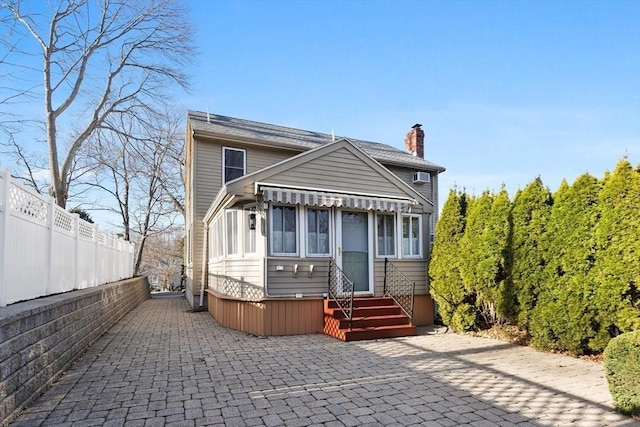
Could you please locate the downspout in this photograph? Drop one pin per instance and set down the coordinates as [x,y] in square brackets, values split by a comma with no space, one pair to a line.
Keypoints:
[205,266]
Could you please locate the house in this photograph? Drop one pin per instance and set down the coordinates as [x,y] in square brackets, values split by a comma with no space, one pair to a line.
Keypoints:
[286,228]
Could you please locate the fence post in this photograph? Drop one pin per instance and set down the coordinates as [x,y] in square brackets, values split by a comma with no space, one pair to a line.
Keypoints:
[95,280]
[76,260]
[4,218]
[50,223]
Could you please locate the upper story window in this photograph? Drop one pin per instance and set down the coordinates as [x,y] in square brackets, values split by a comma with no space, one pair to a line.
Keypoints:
[234,163]
[386,233]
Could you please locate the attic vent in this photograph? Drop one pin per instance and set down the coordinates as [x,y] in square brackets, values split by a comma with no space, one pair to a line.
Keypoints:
[421,177]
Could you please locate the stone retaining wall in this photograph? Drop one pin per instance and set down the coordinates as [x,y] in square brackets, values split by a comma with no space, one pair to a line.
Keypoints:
[40,339]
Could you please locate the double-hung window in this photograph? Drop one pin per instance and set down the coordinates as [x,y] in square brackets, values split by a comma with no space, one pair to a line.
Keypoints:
[234,163]
[411,235]
[317,231]
[386,234]
[284,239]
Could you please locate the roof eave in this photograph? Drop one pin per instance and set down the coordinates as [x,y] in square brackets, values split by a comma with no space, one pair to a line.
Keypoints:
[247,140]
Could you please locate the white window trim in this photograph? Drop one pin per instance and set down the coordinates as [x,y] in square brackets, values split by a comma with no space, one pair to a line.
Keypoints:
[395,235]
[239,240]
[298,245]
[420,232]
[245,229]
[306,230]
[211,234]
[244,161]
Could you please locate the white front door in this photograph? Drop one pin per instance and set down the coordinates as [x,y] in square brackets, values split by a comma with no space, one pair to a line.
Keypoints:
[353,251]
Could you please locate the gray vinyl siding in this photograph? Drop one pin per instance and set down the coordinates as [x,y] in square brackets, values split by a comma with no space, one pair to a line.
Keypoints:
[207,181]
[260,158]
[283,284]
[209,167]
[415,270]
[206,169]
[406,175]
[339,171]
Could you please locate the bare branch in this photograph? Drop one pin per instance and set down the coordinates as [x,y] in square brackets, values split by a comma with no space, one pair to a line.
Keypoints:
[101,58]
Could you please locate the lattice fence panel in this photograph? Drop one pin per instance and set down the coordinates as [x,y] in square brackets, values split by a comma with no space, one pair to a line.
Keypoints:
[27,204]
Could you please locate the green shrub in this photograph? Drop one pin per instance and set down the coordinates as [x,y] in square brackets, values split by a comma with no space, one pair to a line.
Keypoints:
[446,285]
[622,367]
[616,299]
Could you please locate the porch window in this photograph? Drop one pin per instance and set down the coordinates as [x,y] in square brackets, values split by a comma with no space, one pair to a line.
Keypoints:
[232,232]
[317,231]
[411,235]
[250,226]
[284,240]
[386,233]
[216,238]
[234,162]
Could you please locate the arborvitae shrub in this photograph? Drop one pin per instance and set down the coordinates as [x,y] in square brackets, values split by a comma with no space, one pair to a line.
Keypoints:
[473,251]
[445,281]
[563,317]
[493,267]
[616,300]
[530,213]
[622,368]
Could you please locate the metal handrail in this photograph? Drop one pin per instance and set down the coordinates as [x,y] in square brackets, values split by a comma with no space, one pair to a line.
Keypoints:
[341,290]
[398,287]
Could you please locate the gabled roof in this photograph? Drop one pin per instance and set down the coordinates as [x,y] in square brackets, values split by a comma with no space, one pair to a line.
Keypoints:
[237,188]
[213,125]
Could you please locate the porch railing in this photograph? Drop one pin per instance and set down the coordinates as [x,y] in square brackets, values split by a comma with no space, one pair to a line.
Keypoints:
[341,290]
[399,288]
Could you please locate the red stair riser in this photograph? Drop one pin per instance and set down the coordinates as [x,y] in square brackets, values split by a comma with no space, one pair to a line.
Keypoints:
[376,311]
[362,302]
[369,322]
[372,334]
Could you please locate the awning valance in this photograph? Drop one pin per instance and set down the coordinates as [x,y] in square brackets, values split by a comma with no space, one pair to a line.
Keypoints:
[330,199]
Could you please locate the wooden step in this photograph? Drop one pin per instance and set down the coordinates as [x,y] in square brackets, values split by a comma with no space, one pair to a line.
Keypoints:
[388,310]
[373,318]
[362,302]
[373,321]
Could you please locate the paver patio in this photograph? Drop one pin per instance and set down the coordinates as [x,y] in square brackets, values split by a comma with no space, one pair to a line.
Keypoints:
[164,365]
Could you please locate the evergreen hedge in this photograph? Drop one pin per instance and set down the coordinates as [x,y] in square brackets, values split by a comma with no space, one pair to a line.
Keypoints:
[446,282]
[565,267]
[564,316]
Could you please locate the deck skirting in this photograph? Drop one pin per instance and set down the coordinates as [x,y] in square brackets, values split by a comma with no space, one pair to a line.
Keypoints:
[283,316]
[287,316]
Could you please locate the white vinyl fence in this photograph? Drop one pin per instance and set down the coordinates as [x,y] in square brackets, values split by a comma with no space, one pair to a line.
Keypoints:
[46,250]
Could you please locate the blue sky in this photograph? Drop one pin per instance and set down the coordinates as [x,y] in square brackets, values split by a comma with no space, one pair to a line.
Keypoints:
[505,90]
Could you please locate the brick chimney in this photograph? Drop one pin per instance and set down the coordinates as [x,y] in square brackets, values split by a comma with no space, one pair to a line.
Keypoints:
[414,141]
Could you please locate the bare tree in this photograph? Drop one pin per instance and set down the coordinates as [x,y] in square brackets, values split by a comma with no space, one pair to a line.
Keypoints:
[162,260]
[137,165]
[100,58]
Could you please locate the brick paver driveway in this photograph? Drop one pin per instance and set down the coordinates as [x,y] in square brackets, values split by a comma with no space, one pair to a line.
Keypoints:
[163,365]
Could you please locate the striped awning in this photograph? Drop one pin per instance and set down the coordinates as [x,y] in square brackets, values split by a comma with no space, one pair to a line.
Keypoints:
[329,199]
